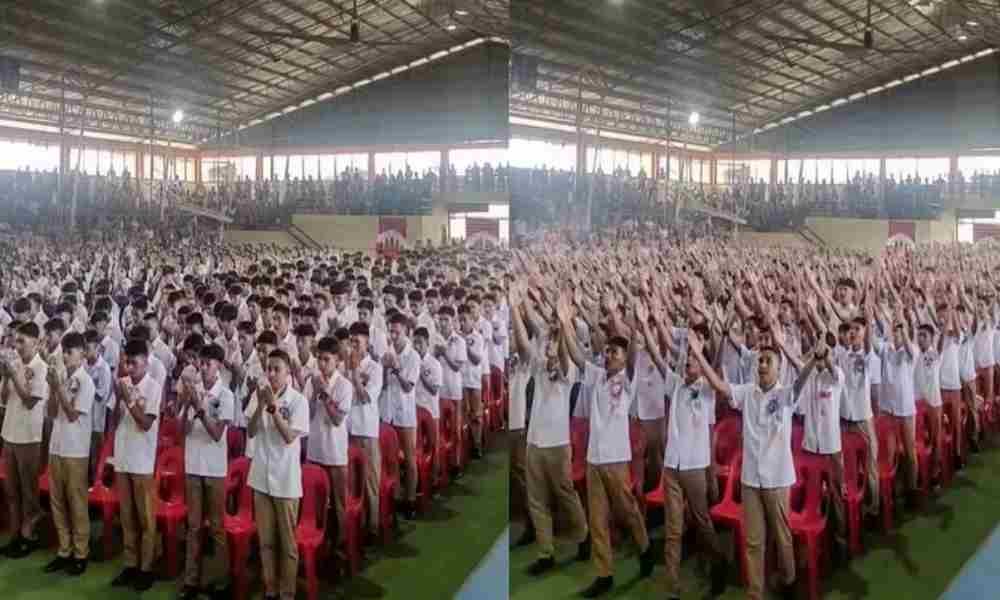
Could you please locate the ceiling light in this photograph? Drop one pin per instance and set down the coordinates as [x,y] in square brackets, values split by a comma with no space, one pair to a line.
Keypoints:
[461,12]
[451,27]
[693,118]
[178,116]
[962,37]
[972,23]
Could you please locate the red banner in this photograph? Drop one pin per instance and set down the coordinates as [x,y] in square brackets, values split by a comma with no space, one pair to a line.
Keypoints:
[903,228]
[391,236]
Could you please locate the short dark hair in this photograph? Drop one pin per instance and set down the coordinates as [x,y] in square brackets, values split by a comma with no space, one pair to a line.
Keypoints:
[72,340]
[618,342]
[29,329]
[280,355]
[328,344]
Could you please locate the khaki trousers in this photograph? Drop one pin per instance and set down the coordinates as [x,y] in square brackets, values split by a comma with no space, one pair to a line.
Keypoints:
[655,431]
[68,495]
[838,511]
[549,480]
[934,427]
[458,407]
[338,494]
[408,444]
[373,478]
[518,468]
[137,495]
[474,408]
[906,428]
[609,494]
[867,430]
[952,405]
[206,499]
[21,487]
[969,397]
[765,512]
[276,519]
[691,485]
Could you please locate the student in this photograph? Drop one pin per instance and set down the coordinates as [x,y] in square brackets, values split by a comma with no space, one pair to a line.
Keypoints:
[450,350]
[609,452]
[100,373]
[206,408]
[548,457]
[402,369]
[25,392]
[472,380]
[428,391]
[899,356]
[280,418]
[366,377]
[927,387]
[686,460]
[330,394]
[768,471]
[137,408]
[69,404]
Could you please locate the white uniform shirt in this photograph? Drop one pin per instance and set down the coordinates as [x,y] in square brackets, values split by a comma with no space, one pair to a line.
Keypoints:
[403,405]
[549,423]
[651,388]
[472,375]
[364,420]
[203,455]
[71,439]
[135,449]
[820,402]
[966,359]
[859,371]
[951,378]
[22,425]
[767,434]
[611,401]
[328,443]
[927,377]
[276,469]
[897,397]
[100,374]
[451,381]
[689,428]
[430,371]
[518,394]
[983,346]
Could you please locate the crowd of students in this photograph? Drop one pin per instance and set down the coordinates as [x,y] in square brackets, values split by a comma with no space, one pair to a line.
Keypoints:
[116,351]
[657,352]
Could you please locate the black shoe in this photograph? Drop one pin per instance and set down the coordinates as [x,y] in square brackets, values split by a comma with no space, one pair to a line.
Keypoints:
[583,550]
[477,453]
[58,564]
[23,549]
[77,568]
[646,562]
[188,592]
[839,554]
[274,597]
[125,578]
[12,545]
[600,586]
[541,565]
[221,593]
[720,571]
[527,538]
[788,592]
[143,581]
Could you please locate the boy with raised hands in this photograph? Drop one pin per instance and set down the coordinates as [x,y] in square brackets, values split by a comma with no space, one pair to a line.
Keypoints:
[609,452]
[899,357]
[330,395]
[768,471]
[686,459]
[927,385]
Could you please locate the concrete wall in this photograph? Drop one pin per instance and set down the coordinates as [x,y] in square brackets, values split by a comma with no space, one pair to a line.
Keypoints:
[244,236]
[872,234]
[346,232]
[760,239]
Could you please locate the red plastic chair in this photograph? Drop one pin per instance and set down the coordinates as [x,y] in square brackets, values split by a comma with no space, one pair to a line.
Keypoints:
[854,450]
[169,434]
[808,523]
[171,511]
[354,507]
[102,495]
[389,447]
[425,457]
[637,468]
[728,513]
[499,392]
[888,464]
[654,498]
[311,530]
[728,441]
[235,442]
[240,527]
[579,433]
[446,441]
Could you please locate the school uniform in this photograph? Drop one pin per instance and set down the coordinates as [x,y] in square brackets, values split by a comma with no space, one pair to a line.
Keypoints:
[364,430]
[861,371]
[609,452]
[651,400]
[69,455]
[549,456]
[767,475]
[205,466]
[898,397]
[22,435]
[276,479]
[402,414]
[135,460]
[327,445]
[472,384]
[821,400]
[687,456]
